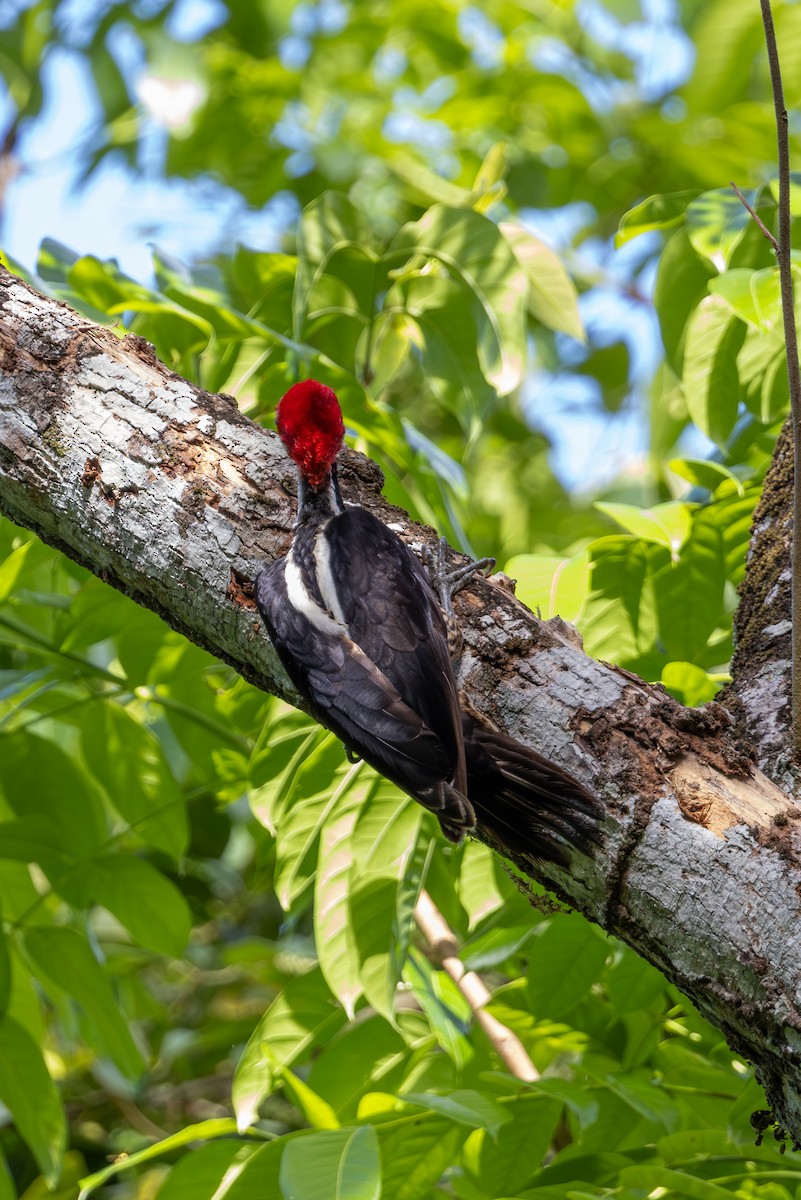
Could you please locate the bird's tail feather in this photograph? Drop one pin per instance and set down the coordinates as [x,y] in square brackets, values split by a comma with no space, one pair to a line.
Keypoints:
[526,803]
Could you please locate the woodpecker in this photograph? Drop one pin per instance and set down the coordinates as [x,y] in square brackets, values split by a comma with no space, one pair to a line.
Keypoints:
[359,629]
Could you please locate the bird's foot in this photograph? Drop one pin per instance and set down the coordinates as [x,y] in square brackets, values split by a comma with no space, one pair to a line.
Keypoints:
[351,755]
[446,583]
[454,811]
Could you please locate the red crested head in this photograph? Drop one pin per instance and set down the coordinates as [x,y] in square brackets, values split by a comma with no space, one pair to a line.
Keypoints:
[309,423]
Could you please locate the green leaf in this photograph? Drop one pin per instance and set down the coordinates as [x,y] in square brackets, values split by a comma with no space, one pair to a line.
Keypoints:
[445,333]
[727,36]
[128,760]
[300,810]
[765,288]
[610,367]
[553,299]
[646,1098]
[447,1010]
[7,1189]
[259,1178]
[753,296]
[148,904]
[556,586]
[332,1165]
[711,380]
[11,569]
[30,1095]
[762,363]
[333,928]
[689,684]
[5,972]
[203,1130]
[365,1055]
[666,524]
[716,223]
[565,960]
[263,284]
[40,779]
[373,911]
[575,1096]
[299,1018]
[704,473]
[633,983]
[63,959]
[494,947]
[54,261]
[654,213]
[476,253]
[384,837]
[505,1163]
[690,592]
[275,768]
[682,279]
[465,1107]
[680,1182]
[619,622]
[415,1154]
[33,840]
[390,859]
[734,287]
[199,1175]
[317,1111]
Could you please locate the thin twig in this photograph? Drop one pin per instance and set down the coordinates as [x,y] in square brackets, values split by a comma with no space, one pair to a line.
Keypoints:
[442,942]
[791,342]
[750,209]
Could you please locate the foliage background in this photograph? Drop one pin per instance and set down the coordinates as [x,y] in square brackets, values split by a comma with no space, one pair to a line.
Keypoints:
[462,218]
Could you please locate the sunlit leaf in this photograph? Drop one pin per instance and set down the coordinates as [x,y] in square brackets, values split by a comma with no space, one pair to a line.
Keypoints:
[333,1165]
[555,586]
[716,222]
[203,1130]
[655,213]
[667,524]
[476,253]
[465,1108]
[336,947]
[711,380]
[553,298]
[297,1019]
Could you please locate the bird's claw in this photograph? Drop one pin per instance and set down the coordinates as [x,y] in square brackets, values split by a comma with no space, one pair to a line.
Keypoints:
[446,583]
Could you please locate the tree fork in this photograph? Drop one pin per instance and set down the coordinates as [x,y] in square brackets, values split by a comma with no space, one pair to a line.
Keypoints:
[175,497]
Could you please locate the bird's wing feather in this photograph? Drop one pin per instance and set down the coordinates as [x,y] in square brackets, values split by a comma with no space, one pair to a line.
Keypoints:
[393,616]
[348,692]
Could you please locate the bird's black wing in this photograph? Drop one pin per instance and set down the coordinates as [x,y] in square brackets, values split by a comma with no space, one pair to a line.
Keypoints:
[348,692]
[393,616]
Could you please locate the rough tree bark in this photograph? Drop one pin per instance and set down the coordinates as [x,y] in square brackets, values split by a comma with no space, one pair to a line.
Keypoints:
[176,498]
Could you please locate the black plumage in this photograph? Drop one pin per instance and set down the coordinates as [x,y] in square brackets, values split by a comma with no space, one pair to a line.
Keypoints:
[361,634]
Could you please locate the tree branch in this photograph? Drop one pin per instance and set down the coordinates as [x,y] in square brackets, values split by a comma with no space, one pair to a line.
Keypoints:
[783,254]
[752,212]
[440,938]
[176,498]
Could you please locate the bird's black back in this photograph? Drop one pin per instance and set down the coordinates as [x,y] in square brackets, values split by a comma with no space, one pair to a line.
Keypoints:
[381,678]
